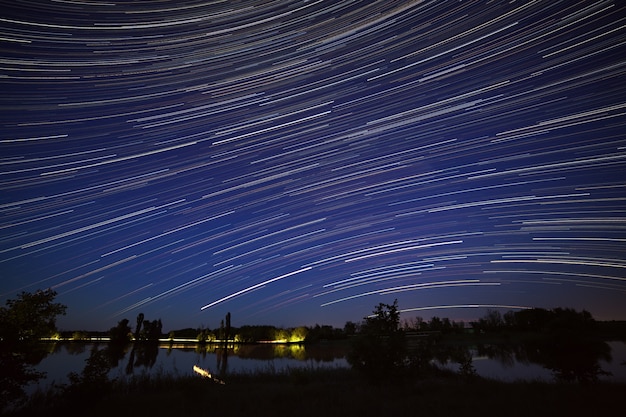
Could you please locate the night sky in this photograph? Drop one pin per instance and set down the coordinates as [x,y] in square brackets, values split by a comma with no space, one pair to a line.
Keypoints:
[299,162]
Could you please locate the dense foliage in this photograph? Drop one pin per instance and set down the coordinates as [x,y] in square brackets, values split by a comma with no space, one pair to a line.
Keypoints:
[561,322]
[23,322]
[30,317]
[380,347]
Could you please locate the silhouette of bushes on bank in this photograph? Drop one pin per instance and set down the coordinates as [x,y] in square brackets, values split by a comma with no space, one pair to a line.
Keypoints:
[379,349]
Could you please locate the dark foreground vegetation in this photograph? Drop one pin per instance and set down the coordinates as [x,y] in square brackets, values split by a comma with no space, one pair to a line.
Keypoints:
[335,392]
[393,372]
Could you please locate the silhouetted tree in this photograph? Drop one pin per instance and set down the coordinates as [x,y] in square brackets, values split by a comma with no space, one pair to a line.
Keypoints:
[30,317]
[533,319]
[458,326]
[121,333]
[140,318]
[227,326]
[350,328]
[412,323]
[492,321]
[255,333]
[435,324]
[509,319]
[324,332]
[152,330]
[568,324]
[444,324]
[22,323]
[380,348]
[186,332]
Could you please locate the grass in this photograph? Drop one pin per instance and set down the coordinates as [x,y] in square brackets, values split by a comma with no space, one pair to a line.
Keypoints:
[327,393]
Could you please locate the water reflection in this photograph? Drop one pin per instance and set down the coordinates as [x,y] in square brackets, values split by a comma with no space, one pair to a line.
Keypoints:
[578,361]
[18,368]
[116,353]
[222,360]
[142,355]
[572,362]
[266,351]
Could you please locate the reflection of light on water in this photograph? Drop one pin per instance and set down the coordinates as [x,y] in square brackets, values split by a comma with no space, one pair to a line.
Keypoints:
[202,372]
[295,351]
[206,374]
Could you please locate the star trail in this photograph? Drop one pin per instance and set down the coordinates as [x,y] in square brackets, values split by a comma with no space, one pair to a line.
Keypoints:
[299,162]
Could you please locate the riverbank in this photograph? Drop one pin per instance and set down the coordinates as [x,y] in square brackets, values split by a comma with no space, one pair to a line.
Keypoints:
[330,392]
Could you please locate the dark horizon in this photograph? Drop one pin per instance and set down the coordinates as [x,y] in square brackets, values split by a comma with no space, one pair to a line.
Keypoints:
[405,319]
[298,163]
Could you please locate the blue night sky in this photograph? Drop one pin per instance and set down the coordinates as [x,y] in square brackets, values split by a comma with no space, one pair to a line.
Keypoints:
[299,162]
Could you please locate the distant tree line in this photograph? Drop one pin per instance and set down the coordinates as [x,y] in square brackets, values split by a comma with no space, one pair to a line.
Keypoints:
[248,334]
[259,333]
[538,320]
[436,324]
[557,321]
[256,333]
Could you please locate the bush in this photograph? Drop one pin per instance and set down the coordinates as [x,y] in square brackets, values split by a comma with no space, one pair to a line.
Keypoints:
[380,349]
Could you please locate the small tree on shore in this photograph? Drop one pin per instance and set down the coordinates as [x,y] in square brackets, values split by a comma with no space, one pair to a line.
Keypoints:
[380,348]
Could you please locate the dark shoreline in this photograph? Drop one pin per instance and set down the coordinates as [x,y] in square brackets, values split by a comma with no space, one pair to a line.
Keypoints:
[336,391]
[329,392]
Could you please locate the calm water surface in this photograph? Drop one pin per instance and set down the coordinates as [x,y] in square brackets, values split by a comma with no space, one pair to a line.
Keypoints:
[512,365]
[492,361]
[64,358]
